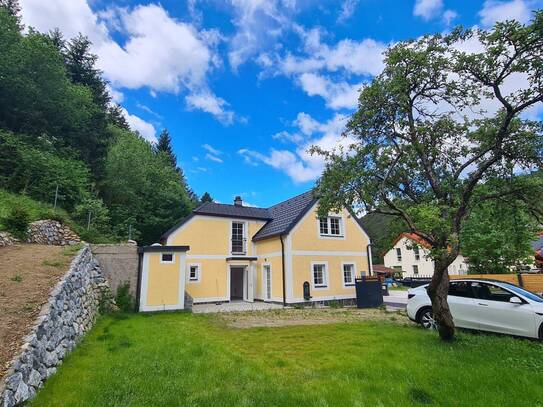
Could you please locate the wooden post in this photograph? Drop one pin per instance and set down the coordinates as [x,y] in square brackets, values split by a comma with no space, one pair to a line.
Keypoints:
[520,282]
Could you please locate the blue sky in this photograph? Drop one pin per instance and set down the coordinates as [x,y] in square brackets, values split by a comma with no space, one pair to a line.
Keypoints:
[246,86]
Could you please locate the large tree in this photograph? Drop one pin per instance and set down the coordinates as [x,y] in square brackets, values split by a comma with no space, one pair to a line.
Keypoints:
[447,114]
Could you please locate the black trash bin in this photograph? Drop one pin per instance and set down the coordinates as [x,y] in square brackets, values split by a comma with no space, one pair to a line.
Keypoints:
[369,292]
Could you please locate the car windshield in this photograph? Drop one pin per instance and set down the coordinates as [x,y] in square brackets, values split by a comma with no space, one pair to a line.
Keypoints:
[523,292]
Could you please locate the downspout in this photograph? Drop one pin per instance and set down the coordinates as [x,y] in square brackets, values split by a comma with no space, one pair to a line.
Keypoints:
[370,261]
[283,270]
[138,289]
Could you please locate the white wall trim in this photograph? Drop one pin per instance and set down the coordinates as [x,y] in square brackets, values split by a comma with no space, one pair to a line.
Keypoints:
[327,253]
[289,270]
[325,298]
[198,300]
[271,254]
[144,282]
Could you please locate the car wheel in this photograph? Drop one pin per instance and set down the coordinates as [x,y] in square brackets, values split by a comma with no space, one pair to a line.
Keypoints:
[426,319]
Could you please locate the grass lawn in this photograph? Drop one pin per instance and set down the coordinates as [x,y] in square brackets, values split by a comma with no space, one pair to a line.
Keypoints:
[178,359]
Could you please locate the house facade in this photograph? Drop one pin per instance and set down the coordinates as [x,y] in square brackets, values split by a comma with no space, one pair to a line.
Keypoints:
[409,254]
[284,254]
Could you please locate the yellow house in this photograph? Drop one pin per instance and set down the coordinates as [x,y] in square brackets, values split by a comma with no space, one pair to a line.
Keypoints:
[284,254]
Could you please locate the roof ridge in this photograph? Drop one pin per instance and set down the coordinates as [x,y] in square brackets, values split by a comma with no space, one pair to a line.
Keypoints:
[289,199]
[236,206]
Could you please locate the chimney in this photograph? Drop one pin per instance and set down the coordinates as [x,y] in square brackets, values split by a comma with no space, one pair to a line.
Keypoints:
[238,201]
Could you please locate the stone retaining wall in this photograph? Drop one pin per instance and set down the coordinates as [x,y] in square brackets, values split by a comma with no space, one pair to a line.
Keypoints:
[51,232]
[71,311]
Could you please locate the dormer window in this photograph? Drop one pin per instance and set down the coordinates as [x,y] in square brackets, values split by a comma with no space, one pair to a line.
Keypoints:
[330,226]
[238,243]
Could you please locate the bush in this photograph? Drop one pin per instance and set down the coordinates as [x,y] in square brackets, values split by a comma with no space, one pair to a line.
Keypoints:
[16,222]
[124,299]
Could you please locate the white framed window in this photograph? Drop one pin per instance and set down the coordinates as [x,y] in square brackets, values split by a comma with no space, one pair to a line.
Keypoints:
[415,270]
[399,254]
[417,253]
[349,272]
[331,226]
[237,238]
[320,274]
[167,258]
[194,273]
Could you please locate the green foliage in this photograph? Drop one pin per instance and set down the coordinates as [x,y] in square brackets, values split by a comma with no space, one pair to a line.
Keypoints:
[36,170]
[95,210]
[16,222]
[206,197]
[497,237]
[142,189]
[124,299]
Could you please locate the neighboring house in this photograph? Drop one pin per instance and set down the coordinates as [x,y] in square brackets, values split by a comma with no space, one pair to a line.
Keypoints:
[409,254]
[224,252]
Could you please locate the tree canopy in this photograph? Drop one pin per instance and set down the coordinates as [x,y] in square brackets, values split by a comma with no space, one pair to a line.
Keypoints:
[447,115]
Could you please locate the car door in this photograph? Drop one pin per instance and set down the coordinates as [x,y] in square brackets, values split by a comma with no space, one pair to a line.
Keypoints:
[497,314]
[462,305]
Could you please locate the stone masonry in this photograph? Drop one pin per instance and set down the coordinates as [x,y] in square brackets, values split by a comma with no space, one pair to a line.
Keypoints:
[51,232]
[71,311]
[6,239]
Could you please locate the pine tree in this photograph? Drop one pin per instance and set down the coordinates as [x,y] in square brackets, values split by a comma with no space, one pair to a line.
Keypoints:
[115,115]
[57,38]
[164,145]
[80,64]
[206,197]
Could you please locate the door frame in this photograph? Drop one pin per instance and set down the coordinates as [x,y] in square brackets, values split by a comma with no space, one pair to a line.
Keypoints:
[247,281]
[265,282]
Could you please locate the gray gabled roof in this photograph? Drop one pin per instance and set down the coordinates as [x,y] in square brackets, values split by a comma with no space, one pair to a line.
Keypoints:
[285,215]
[281,218]
[233,211]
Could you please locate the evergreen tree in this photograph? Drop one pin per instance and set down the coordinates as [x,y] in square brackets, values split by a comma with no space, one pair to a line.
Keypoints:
[115,116]
[58,40]
[80,64]
[206,197]
[164,145]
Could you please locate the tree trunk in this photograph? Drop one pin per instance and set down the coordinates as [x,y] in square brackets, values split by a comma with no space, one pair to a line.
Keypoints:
[438,290]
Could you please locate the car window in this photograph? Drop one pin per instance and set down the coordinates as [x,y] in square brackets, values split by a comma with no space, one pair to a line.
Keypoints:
[461,289]
[491,292]
[528,294]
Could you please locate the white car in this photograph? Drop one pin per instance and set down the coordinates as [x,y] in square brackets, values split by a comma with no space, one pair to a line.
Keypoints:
[485,305]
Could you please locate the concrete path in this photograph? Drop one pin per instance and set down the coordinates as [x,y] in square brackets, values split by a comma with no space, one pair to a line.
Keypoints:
[235,306]
[396,299]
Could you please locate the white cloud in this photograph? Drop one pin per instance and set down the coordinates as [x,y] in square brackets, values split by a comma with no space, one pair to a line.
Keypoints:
[494,11]
[428,9]
[348,7]
[158,52]
[145,129]
[286,136]
[338,95]
[210,103]
[299,164]
[259,23]
[449,16]
[211,149]
[211,157]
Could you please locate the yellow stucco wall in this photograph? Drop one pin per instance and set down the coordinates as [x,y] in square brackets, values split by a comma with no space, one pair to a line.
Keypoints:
[213,279]
[211,235]
[306,235]
[303,271]
[163,280]
[269,253]
[306,238]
